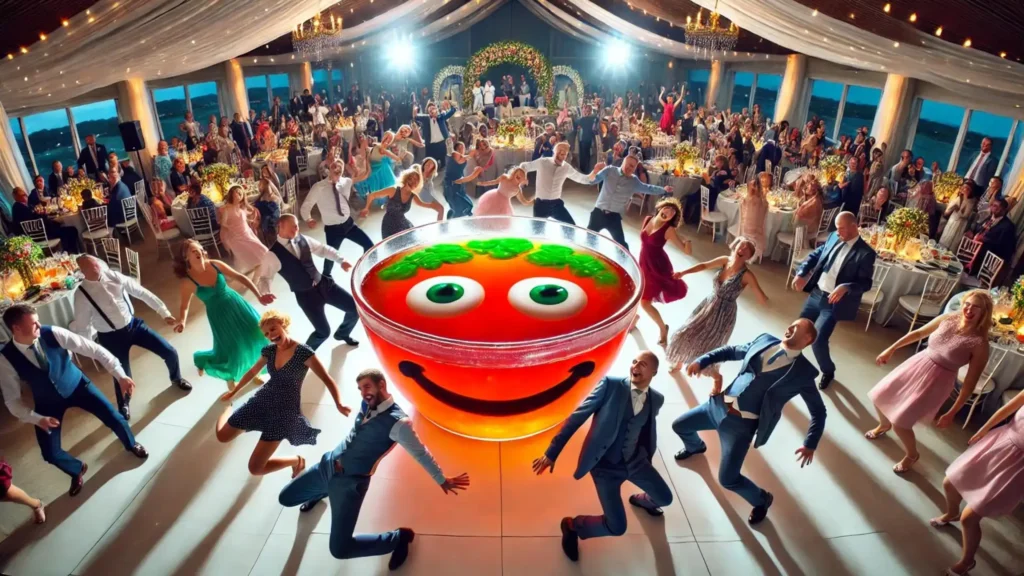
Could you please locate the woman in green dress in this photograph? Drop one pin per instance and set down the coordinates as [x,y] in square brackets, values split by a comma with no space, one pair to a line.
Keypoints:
[237,338]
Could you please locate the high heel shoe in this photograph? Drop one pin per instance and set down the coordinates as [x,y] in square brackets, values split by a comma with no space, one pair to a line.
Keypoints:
[663,341]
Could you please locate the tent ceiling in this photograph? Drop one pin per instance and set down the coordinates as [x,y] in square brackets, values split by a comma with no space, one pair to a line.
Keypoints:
[24,20]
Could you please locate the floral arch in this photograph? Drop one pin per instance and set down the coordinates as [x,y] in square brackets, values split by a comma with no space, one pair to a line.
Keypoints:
[570,73]
[509,53]
[442,75]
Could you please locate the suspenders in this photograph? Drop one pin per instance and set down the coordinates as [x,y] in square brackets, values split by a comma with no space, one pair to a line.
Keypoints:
[103,314]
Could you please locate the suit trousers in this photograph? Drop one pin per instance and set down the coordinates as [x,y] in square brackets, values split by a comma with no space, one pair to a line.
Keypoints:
[313,301]
[818,310]
[459,203]
[345,493]
[586,146]
[552,209]
[439,152]
[608,481]
[735,435]
[335,234]
[610,221]
[138,333]
[86,397]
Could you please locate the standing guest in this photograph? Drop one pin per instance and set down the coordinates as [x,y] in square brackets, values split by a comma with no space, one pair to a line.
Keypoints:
[276,113]
[711,323]
[196,199]
[102,306]
[38,195]
[236,232]
[810,209]
[852,187]
[318,112]
[836,275]
[459,204]
[240,135]
[620,446]
[275,410]
[269,204]
[997,235]
[478,97]
[40,356]
[983,166]
[524,92]
[958,214]
[55,181]
[331,196]
[11,493]
[20,213]
[753,214]
[343,475]
[434,128]
[551,175]
[237,339]
[668,111]
[179,179]
[617,186]
[588,130]
[489,99]
[746,412]
[876,175]
[162,164]
[93,157]
[292,257]
[989,475]
[498,201]
[190,132]
[917,389]
[399,199]
[660,284]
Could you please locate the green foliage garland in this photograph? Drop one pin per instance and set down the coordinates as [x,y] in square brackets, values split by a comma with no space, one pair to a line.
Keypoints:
[510,53]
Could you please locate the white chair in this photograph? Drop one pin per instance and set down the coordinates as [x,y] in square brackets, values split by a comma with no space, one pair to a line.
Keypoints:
[986,383]
[706,215]
[133,264]
[95,226]
[868,215]
[289,192]
[131,218]
[921,308]
[990,268]
[302,163]
[140,188]
[35,230]
[827,217]
[967,250]
[638,200]
[202,228]
[797,254]
[872,297]
[112,252]
[777,177]
[788,239]
[164,236]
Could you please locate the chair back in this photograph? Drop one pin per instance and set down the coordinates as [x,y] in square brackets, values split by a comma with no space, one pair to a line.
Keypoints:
[202,228]
[95,218]
[140,188]
[799,246]
[750,174]
[938,287]
[302,163]
[868,214]
[147,215]
[289,189]
[129,204]
[35,230]
[705,199]
[768,166]
[827,217]
[967,250]
[112,252]
[879,274]
[990,268]
[133,264]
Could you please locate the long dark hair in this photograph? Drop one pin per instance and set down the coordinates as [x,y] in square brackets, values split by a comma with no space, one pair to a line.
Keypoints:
[181,265]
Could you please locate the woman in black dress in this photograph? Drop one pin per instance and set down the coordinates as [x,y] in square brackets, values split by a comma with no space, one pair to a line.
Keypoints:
[275,409]
[400,199]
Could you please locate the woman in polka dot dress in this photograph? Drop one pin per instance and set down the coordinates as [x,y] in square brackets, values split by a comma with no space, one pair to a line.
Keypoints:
[275,409]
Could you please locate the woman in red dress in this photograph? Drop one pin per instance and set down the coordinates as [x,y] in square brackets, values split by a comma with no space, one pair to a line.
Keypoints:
[668,115]
[659,285]
[11,493]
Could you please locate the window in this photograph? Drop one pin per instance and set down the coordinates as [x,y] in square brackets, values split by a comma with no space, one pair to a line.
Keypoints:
[170,106]
[741,91]
[320,81]
[338,83]
[983,124]
[205,103]
[861,105]
[279,88]
[256,89]
[49,134]
[938,125]
[99,119]
[824,103]
[697,87]
[1018,135]
[20,139]
[767,93]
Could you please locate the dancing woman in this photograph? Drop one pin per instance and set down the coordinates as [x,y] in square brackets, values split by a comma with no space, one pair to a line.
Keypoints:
[275,410]
[399,199]
[455,180]
[712,321]
[498,202]
[660,285]
[408,136]
[237,233]
[668,115]
[382,171]
[916,389]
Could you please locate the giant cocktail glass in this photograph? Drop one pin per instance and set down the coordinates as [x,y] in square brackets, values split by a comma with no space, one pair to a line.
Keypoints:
[496,327]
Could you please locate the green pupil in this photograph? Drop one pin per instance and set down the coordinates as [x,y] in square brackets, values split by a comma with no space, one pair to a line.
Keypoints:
[549,294]
[445,293]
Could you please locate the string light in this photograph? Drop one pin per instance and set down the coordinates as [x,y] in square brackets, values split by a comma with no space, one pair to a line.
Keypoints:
[967,43]
[913,17]
[1002,54]
[886,8]
[42,37]
[24,50]
[938,31]
[65,23]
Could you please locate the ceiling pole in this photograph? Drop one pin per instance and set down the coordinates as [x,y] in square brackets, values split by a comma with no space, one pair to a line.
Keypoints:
[893,112]
[13,171]
[236,99]
[714,82]
[793,81]
[133,103]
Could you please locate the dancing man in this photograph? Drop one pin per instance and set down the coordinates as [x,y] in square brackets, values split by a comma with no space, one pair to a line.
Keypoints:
[344,474]
[772,373]
[618,184]
[102,305]
[622,440]
[836,274]
[551,175]
[292,257]
[331,197]
[434,128]
[40,356]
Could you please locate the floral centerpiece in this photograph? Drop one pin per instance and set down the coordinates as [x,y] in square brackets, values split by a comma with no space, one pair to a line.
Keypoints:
[286,142]
[21,254]
[906,223]
[71,193]
[647,129]
[687,155]
[191,156]
[831,168]
[510,129]
[946,186]
[219,175]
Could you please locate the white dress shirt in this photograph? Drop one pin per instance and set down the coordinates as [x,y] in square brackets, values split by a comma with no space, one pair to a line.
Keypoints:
[780,362]
[403,433]
[323,195]
[827,282]
[488,95]
[111,294]
[435,131]
[551,178]
[318,113]
[10,381]
[639,397]
[271,265]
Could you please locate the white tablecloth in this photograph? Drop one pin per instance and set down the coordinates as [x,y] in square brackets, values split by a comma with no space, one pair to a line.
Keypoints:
[506,157]
[313,155]
[74,219]
[58,310]
[682,186]
[776,221]
[900,282]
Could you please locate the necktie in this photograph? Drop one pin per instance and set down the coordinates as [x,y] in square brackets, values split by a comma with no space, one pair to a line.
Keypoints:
[337,200]
[977,165]
[833,255]
[776,356]
[294,244]
[40,357]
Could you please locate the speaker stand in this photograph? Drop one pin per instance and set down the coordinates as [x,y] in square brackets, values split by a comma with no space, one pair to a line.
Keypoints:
[145,178]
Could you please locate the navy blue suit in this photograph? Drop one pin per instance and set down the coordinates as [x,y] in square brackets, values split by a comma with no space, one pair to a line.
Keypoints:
[856,274]
[115,209]
[611,405]
[85,160]
[437,150]
[769,391]
[54,182]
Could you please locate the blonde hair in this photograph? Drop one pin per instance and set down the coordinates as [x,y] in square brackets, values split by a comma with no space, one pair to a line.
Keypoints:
[403,178]
[984,322]
[740,240]
[275,316]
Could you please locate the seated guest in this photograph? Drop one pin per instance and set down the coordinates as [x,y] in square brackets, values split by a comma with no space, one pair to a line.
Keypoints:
[112,161]
[21,212]
[81,174]
[809,212]
[56,178]
[994,190]
[88,201]
[770,152]
[179,177]
[880,202]
[129,176]
[717,179]
[196,199]
[38,195]
[69,173]
[997,234]
[118,193]
[160,200]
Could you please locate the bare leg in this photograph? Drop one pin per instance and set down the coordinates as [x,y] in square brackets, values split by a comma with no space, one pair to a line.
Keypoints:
[883,426]
[226,432]
[970,521]
[648,307]
[262,462]
[231,383]
[906,436]
[953,500]
[19,496]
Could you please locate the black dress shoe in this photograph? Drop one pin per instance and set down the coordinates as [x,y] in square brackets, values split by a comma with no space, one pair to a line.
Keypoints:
[684,453]
[635,501]
[78,481]
[759,512]
[309,505]
[826,379]
[350,341]
[140,451]
[183,384]
[125,412]
[570,540]
[405,536]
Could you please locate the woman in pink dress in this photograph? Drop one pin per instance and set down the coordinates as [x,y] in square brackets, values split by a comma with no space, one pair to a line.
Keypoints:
[753,212]
[659,284]
[498,202]
[236,232]
[916,389]
[668,115]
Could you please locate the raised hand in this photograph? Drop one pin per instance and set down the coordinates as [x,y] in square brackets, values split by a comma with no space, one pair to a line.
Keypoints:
[344,410]
[454,484]
[543,463]
[267,299]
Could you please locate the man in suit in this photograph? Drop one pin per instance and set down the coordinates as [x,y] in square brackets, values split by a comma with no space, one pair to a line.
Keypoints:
[306,100]
[836,275]
[997,235]
[331,196]
[434,128]
[983,166]
[56,179]
[772,373]
[588,130]
[20,212]
[93,157]
[118,193]
[39,194]
[851,189]
[276,112]
[130,177]
[620,445]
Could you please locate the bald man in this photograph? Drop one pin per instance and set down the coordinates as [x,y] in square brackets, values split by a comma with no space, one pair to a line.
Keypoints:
[619,446]
[836,275]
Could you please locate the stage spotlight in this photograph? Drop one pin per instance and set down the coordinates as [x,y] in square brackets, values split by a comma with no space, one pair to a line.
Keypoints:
[400,55]
[617,54]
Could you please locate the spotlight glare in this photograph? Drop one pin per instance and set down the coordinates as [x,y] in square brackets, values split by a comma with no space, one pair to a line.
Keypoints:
[400,55]
[617,54]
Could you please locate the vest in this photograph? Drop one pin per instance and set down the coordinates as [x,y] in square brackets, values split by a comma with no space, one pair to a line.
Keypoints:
[624,448]
[368,442]
[750,387]
[300,273]
[52,387]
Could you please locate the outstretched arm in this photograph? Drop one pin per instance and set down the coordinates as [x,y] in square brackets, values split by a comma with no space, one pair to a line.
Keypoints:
[435,206]
[313,363]
[242,279]
[911,337]
[684,245]
[591,404]
[522,198]
[475,174]
[716,263]
[816,407]
[750,280]
[1008,410]
[245,379]
[186,292]
[979,359]
[723,354]
[404,434]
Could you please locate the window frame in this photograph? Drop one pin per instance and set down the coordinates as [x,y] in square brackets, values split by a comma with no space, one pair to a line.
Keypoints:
[965,122]
[76,140]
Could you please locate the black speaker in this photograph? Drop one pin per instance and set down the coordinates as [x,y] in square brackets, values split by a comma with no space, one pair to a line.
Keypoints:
[131,135]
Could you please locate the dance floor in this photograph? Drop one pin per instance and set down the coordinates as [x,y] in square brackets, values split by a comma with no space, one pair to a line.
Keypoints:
[193,508]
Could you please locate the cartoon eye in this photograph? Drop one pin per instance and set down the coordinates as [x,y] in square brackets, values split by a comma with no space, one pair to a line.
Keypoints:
[445,296]
[547,298]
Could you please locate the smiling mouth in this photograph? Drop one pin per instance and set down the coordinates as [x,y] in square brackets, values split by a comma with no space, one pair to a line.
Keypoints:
[417,374]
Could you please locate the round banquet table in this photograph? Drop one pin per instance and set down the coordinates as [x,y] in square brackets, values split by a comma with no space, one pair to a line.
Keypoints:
[505,157]
[792,175]
[72,219]
[682,186]
[313,158]
[58,309]
[903,279]
[775,221]
[1007,374]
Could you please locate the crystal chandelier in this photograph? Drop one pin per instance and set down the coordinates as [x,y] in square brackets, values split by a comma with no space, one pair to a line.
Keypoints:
[321,33]
[709,36]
